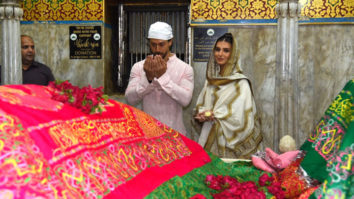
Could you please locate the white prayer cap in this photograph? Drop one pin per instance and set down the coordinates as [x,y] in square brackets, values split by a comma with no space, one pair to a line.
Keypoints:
[160,30]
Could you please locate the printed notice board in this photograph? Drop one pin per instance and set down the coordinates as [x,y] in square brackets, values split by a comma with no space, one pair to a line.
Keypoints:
[85,42]
[203,42]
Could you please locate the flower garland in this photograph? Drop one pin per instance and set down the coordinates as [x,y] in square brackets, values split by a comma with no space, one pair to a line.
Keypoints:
[230,187]
[87,99]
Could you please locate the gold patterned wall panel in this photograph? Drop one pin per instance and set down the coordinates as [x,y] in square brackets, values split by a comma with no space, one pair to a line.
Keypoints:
[227,12]
[232,9]
[62,10]
[327,8]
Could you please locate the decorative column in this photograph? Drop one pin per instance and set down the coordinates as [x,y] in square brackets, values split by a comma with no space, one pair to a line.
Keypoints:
[286,116]
[121,33]
[11,64]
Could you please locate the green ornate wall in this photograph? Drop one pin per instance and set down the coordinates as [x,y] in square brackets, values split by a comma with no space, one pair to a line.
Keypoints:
[221,12]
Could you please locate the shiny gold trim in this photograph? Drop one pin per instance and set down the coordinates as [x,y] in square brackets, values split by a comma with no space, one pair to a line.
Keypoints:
[236,132]
[229,106]
[248,155]
[220,81]
[216,98]
[221,149]
[244,146]
[211,137]
[257,139]
[242,142]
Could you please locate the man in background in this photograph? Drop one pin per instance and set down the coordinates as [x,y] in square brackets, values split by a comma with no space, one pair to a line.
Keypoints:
[32,72]
[162,82]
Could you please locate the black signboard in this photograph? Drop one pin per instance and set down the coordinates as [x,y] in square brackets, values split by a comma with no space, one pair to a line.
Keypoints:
[204,39]
[85,42]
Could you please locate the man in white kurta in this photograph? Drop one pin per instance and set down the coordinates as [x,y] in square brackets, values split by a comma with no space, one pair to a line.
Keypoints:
[164,91]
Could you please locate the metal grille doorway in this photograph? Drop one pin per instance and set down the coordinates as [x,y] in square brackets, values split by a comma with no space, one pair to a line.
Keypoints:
[135,25]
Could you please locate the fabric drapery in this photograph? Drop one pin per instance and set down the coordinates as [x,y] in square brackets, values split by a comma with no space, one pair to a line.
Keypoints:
[330,148]
[52,150]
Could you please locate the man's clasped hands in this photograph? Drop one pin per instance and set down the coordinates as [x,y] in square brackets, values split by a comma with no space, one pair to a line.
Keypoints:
[155,66]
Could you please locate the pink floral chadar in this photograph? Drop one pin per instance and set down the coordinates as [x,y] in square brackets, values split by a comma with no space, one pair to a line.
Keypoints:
[51,149]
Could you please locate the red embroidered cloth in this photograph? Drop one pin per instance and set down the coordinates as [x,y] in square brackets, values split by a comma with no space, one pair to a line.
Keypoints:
[52,150]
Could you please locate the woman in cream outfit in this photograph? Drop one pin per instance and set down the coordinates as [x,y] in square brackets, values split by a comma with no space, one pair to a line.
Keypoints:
[226,106]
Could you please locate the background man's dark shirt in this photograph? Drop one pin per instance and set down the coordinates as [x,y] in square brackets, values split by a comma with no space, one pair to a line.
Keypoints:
[37,73]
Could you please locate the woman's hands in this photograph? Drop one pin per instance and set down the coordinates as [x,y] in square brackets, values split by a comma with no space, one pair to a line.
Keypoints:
[205,116]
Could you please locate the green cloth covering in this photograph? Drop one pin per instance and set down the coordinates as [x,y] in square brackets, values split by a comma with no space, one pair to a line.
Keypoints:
[329,149]
[194,182]
[340,181]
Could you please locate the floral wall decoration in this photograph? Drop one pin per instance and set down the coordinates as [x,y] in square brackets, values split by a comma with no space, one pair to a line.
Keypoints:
[63,10]
[263,11]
